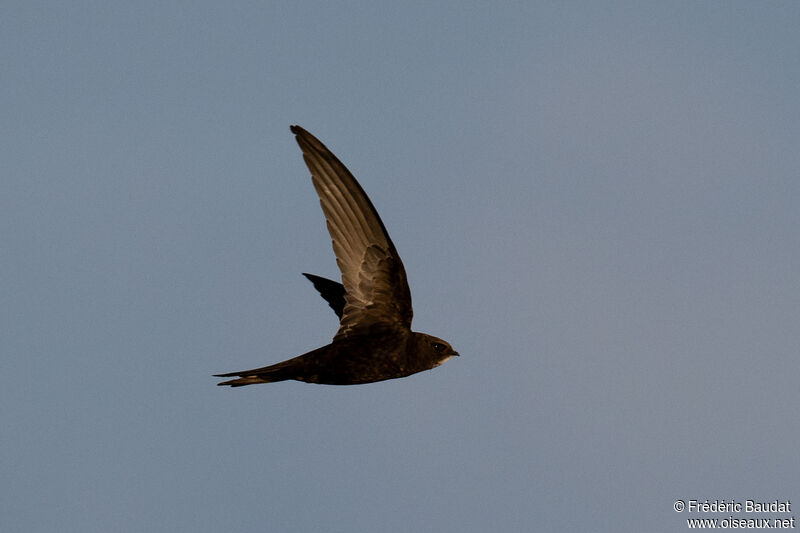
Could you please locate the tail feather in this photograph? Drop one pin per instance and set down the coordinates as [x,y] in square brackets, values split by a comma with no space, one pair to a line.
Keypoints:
[267,374]
[242,381]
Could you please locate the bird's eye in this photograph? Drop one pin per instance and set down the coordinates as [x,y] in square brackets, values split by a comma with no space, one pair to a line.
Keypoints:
[438,347]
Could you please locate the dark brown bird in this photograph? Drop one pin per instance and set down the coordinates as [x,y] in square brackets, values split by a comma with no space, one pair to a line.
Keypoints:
[373,301]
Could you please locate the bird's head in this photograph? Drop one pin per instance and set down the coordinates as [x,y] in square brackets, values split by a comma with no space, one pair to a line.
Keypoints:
[439,350]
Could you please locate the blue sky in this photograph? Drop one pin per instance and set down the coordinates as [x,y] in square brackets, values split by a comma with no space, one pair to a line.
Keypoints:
[596,204]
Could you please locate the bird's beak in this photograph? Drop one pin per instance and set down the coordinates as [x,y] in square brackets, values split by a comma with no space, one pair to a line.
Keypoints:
[456,353]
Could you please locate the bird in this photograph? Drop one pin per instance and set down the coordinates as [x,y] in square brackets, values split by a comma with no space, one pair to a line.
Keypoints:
[374,341]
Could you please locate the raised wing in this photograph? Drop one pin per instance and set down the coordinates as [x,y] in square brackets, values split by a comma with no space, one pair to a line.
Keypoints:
[376,290]
[332,291]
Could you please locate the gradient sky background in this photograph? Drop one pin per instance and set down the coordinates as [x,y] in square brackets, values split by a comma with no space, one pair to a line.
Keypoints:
[597,203]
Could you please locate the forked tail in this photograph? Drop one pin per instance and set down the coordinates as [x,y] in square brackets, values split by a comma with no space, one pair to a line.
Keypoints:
[268,374]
